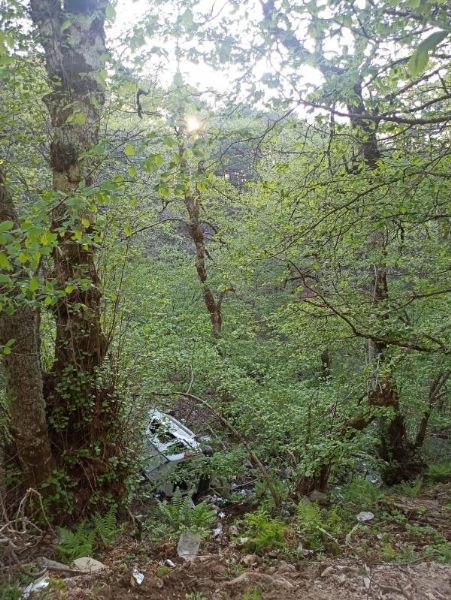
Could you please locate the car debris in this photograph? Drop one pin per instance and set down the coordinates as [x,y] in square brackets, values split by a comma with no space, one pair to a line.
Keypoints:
[168,444]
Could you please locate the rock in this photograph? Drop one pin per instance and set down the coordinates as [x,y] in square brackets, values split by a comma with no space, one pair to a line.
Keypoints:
[250,560]
[284,567]
[87,564]
[327,571]
[318,497]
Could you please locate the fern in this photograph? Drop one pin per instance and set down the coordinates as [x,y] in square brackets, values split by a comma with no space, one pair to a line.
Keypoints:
[75,544]
[180,515]
[264,532]
[106,526]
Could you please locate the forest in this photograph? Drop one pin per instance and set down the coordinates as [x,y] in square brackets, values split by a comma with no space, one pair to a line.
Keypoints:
[225,299]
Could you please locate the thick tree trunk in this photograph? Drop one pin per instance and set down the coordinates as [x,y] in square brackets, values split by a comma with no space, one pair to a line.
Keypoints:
[74,43]
[24,378]
[397,451]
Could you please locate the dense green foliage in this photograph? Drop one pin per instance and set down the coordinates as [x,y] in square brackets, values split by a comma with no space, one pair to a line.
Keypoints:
[273,264]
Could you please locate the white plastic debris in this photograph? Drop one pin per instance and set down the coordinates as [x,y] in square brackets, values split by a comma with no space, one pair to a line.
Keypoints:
[221,515]
[170,563]
[364,516]
[217,531]
[188,545]
[35,586]
[137,577]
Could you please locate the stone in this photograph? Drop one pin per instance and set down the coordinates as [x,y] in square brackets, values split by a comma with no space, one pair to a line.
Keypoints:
[249,560]
[87,564]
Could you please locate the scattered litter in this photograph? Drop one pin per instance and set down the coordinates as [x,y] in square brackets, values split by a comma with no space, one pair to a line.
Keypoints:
[35,586]
[137,577]
[380,536]
[188,545]
[86,564]
[221,515]
[170,563]
[243,540]
[364,516]
[217,531]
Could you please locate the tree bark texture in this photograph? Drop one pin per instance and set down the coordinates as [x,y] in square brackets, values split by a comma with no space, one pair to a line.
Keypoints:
[73,39]
[24,377]
[192,205]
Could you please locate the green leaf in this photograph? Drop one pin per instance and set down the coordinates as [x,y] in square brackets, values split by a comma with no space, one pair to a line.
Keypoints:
[4,262]
[34,284]
[79,118]
[432,41]
[153,161]
[6,226]
[419,59]
[66,24]
[110,12]
[129,150]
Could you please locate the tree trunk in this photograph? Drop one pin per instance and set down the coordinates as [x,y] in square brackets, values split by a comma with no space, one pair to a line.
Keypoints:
[192,205]
[397,451]
[74,43]
[24,378]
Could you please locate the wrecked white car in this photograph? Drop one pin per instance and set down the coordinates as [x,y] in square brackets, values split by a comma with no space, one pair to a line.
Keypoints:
[168,445]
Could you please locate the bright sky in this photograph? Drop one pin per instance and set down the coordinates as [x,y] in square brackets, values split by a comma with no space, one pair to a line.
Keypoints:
[132,12]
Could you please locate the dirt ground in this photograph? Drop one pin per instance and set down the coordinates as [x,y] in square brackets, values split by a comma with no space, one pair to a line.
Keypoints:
[212,577]
[227,571]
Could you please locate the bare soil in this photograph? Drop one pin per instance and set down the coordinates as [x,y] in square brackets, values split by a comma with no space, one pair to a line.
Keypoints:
[212,577]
